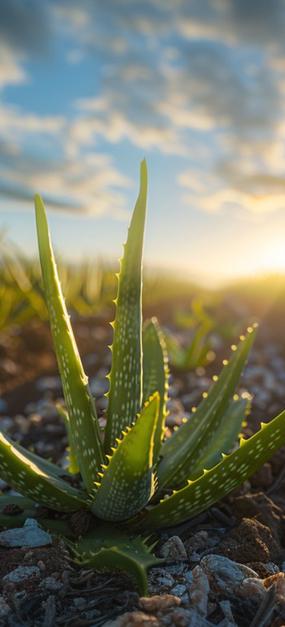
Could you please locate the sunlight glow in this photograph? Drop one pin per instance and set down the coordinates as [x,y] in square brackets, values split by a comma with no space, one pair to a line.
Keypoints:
[274,257]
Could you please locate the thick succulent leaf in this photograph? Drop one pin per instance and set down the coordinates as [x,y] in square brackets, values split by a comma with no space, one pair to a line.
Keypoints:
[73,467]
[224,438]
[214,484]
[78,399]
[125,392]
[46,466]
[192,438]
[155,374]
[32,481]
[127,482]
[108,548]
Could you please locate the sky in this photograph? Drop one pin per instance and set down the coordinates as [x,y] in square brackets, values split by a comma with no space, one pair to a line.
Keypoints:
[89,88]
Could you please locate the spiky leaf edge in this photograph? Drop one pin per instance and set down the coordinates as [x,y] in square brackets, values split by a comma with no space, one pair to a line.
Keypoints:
[125,378]
[214,484]
[79,401]
[155,374]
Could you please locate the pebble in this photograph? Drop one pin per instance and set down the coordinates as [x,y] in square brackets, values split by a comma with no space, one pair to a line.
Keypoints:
[99,387]
[159,603]
[169,613]
[134,619]
[176,569]
[199,591]
[251,587]
[224,574]
[197,542]
[48,383]
[278,581]
[227,611]
[6,423]
[179,590]
[189,576]
[173,548]
[271,568]
[30,535]
[41,565]
[51,583]
[21,573]
[161,578]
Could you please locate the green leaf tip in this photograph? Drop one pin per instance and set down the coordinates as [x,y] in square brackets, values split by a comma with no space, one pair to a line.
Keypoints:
[125,391]
[79,402]
[128,481]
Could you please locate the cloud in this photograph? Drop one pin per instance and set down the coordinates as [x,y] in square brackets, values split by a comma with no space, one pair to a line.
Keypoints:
[86,182]
[25,30]
[25,26]
[242,190]
[236,22]
[90,185]
[188,79]
[11,71]
[151,93]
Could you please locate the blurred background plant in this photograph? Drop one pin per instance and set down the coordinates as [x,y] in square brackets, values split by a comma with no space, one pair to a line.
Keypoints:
[197,349]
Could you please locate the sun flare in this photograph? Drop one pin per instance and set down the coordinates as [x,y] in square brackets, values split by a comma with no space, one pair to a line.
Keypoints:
[273,257]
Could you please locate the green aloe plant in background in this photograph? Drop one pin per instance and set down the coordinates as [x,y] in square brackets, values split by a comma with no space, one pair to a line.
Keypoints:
[134,480]
[198,352]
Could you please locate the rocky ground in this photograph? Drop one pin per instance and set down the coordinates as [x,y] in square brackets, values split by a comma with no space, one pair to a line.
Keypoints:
[226,567]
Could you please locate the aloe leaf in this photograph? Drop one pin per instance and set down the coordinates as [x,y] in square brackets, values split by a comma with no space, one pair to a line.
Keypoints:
[73,467]
[155,374]
[127,483]
[224,438]
[125,392]
[32,481]
[78,399]
[186,444]
[45,465]
[108,548]
[214,484]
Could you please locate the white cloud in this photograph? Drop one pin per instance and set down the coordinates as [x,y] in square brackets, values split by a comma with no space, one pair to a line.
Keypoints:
[78,180]
[203,81]
[11,69]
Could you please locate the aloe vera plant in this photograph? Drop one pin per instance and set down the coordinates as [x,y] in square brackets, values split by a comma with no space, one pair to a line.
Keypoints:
[134,481]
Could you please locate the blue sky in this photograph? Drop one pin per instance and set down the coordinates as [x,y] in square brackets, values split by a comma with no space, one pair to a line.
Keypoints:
[87,89]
